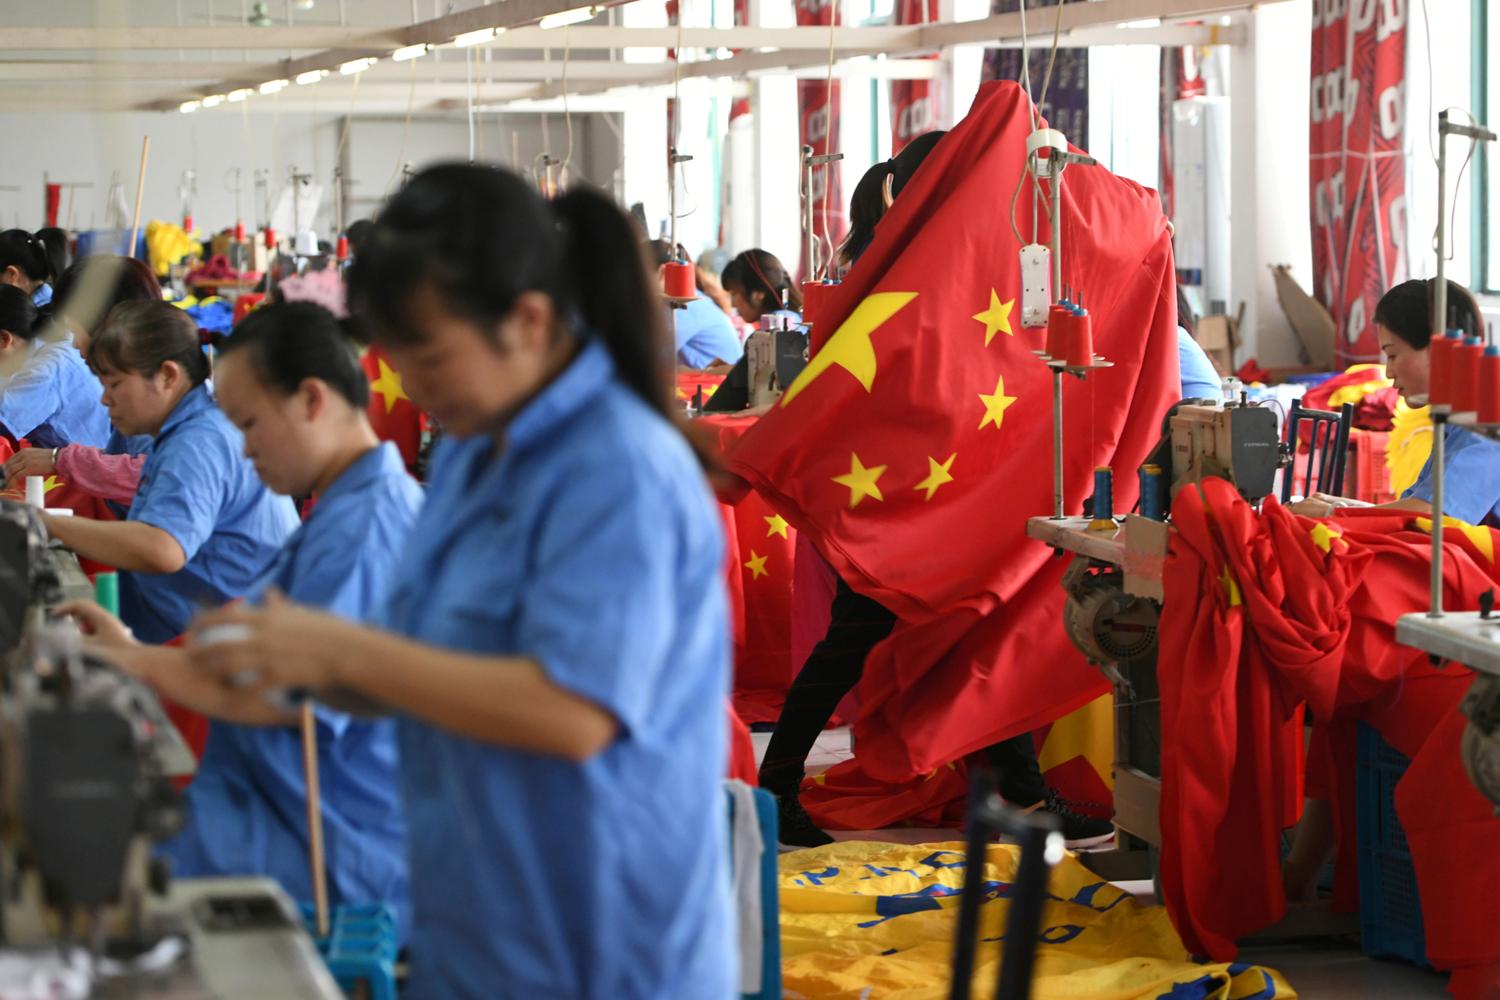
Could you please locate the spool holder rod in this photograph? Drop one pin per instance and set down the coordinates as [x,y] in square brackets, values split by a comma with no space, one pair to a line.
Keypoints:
[673,159]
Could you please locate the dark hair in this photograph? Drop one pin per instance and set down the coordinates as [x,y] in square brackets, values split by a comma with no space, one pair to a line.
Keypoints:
[358,232]
[760,271]
[867,205]
[41,256]
[17,314]
[140,337]
[1406,311]
[299,340]
[481,236]
[1185,317]
[905,163]
[122,279]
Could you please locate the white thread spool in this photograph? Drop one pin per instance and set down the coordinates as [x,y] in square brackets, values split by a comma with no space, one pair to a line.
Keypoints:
[36,492]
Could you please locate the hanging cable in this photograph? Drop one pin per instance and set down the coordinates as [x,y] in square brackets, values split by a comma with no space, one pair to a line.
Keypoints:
[824,243]
[567,113]
[411,95]
[1051,59]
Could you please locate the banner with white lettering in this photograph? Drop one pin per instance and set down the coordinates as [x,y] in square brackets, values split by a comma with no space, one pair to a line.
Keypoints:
[1358,164]
[818,104]
[916,105]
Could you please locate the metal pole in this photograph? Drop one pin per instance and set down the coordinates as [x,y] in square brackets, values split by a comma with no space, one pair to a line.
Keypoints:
[1439,329]
[1057,439]
[1056,222]
[1439,426]
[809,265]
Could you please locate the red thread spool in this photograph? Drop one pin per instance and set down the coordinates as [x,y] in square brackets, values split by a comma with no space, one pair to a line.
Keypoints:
[681,282]
[1440,370]
[1080,339]
[1057,335]
[270,238]
[1466,359]
[813,293]
[1489,385]
[342,249]
[187,224]
[239,232]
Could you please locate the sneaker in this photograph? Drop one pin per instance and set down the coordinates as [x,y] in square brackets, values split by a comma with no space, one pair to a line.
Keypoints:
[795,829]
[1079,831]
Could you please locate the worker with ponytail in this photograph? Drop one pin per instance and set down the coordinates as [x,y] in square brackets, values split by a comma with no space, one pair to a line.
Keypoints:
[33,262]
[556,648]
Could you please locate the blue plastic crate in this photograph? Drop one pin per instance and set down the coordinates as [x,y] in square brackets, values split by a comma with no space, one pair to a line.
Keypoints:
[360,949]
[1390,911]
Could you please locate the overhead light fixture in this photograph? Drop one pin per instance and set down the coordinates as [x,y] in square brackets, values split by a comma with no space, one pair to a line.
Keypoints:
[357,65]
[213,100]
[311,76]
[575,16]
[188,107]
[260,16]
[409,52]
[475,37]
[272,86]
[304,4]
[235,96]
[1145,22]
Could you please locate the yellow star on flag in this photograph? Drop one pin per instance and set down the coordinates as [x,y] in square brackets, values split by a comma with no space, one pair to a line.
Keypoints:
[388,385]
[1231,587]
[1089,733]
[50,483]
[850,346]
[862,482]
[1323,536]
[996,318]
[756,565]
[995,404]
[777,526]
[1480,537]
[938,474]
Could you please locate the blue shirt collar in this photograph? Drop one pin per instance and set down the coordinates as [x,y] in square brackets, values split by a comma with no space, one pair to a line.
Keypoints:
[577,386]
[197,400]
[374,465]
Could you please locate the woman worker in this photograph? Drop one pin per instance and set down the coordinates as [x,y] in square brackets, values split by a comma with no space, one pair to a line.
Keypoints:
[758,286]
[49,397]
[33,261]
[292,384]
[705,337]
[556,643]
[201,528]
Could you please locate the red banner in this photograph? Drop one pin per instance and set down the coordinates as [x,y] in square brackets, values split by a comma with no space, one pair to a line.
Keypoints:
[818,104]
[1358,170]
[916,105]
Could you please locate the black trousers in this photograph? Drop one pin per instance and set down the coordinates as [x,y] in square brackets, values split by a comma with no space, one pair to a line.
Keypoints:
[857,624]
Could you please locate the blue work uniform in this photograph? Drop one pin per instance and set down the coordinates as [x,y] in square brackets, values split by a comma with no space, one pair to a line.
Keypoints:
[1471,478]
[42,296]
[197,487]
[704,334]
[589,544]
[1200,380]
[54,399]
[248,800]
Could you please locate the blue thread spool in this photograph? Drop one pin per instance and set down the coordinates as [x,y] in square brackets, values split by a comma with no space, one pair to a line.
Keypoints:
[1104,500]
[1151,492]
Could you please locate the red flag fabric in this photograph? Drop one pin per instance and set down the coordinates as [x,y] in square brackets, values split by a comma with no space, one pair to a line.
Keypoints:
[1358,165]
[1263,613]
[917,441]
[392,414]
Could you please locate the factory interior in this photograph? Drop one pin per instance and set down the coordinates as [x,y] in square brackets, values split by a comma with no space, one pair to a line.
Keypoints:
[950,499]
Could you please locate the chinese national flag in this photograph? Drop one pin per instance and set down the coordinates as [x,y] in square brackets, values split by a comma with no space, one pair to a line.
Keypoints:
[392,414]
[917,441]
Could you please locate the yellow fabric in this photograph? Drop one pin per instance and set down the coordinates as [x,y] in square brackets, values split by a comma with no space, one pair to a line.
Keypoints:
[1481,538]
[1408,447]
[166,244]
[858,917]
[1088,732]
[1356,393]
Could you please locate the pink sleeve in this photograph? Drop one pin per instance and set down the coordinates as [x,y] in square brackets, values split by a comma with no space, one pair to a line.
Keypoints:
[109,477]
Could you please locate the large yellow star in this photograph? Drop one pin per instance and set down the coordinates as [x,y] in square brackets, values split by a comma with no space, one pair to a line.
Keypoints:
[388,385]
[850,346]
[996,317]
[938,474]
[1088,733]
[995,404]
[862,482]
[777,526]
[756,565]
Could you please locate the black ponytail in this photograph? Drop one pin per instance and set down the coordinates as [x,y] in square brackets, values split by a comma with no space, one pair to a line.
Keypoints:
[295,341]
[140,337]
[40,256]
[1406,311]
[761,271]
[866,206]
[18,316]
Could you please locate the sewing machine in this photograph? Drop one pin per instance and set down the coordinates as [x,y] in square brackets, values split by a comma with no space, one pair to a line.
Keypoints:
[1236,442]
[775,355]
[86,756]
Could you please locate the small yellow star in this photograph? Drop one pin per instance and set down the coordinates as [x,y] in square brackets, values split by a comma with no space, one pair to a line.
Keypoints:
[996,317]
[388,385]
[50,483]
[995,405]
[756,565]
[862,482]
[1231,588]
[1323,536]
[938,474]
[777,526]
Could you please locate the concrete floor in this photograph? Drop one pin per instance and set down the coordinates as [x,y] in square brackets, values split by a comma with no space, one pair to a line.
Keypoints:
[1327,971]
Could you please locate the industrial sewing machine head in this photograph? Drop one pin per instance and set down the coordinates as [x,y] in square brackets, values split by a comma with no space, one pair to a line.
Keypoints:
[1235,441]
[82,789]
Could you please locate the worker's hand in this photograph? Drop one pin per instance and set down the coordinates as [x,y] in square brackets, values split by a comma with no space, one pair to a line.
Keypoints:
[1311,507]
[1340,503]
[28,462]
[277,645]
[103,629]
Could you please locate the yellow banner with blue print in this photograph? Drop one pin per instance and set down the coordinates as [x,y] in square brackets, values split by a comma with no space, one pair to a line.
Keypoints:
[868,921]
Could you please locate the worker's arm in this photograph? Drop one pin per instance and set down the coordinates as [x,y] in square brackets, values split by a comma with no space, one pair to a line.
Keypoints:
[128,545]
[503,700]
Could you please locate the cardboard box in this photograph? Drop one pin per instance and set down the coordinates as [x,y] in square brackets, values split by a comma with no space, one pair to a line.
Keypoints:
[1219,337]
[1313,325]
[243,255]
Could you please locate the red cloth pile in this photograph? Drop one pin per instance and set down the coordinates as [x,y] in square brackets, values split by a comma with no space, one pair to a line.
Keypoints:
[1374,411]
[1262,614]
[917,442]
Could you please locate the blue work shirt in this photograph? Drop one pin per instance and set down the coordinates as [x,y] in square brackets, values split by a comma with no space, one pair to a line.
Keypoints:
[704,333]
[248,802]
[197,487]
[42,296]
[1471,478]
[54,399]
[1200,380]
[592,546]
